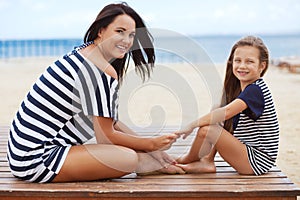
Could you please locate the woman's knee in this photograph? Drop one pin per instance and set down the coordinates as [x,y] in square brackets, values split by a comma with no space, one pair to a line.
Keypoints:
[131,159]
[116,157]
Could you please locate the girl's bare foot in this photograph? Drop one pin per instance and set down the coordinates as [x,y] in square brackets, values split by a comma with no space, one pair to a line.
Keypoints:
[203,166]
[185,159]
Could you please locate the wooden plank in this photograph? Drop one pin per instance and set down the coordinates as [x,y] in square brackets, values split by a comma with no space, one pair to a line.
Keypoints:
[225,184]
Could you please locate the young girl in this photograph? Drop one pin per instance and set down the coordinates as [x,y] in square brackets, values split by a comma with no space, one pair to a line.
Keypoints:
[249,139]
[75,99]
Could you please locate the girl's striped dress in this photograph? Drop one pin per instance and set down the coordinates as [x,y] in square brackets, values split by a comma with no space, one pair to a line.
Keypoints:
[258,127]
[56,114]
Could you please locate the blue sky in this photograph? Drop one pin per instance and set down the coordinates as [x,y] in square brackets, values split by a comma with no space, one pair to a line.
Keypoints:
[27,19]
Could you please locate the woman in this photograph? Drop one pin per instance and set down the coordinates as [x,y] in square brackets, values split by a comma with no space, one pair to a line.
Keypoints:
[75,99]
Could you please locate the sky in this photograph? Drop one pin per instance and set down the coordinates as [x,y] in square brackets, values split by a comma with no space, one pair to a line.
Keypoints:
[47,19]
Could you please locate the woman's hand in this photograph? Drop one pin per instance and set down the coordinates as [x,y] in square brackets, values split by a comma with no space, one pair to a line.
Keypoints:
[163,142]
[163,158]
[167,162]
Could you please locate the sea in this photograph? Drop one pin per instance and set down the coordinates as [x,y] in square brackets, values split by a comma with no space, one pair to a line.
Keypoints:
[170,49]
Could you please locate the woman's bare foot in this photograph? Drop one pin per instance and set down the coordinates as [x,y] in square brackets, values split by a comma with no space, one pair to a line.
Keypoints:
[172,169]
[205,165]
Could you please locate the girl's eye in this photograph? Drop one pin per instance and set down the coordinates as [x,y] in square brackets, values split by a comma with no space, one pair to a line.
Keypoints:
[237,60]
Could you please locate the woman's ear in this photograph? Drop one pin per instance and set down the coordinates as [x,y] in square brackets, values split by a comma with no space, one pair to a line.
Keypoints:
[99,33]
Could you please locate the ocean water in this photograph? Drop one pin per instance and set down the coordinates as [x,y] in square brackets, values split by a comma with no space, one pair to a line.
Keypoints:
[171,49]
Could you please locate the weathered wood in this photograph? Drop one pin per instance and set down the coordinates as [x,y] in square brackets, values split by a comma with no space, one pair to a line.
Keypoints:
[225,184]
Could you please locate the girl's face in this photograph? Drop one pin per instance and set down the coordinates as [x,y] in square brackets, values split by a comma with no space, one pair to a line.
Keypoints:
[246,65]
[117,38]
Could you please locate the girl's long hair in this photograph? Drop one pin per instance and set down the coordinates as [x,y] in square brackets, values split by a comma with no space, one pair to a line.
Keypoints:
[232,87]
[142,50]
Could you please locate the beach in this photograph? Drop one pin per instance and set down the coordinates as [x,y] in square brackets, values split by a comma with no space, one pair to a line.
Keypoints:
[18,75]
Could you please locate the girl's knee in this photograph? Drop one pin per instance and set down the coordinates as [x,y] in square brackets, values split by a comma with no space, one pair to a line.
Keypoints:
[202,132]
[211,132]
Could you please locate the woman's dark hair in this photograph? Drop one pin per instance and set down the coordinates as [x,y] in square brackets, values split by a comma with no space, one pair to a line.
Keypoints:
[142,47]
[232,87]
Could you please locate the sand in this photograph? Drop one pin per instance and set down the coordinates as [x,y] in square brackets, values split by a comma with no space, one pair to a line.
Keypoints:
[17,76]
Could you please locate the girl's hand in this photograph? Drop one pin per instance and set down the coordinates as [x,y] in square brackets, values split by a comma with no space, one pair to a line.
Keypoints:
[185,131]
[163,142]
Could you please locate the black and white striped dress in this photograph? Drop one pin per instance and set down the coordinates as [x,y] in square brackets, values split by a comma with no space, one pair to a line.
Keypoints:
[57,113]
[257,127]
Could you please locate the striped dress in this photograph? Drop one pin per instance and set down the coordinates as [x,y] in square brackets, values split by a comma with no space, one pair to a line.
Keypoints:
[57,114]
[257,127]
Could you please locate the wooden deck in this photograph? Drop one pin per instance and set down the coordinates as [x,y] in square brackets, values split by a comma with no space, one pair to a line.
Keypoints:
[225,184]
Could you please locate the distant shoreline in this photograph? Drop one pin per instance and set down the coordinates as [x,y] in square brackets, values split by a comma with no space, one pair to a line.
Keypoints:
[216,47]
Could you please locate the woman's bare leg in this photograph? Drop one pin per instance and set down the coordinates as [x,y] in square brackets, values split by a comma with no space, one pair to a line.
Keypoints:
[97,161]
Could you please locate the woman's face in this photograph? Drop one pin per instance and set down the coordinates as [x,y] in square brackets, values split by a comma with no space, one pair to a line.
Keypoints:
[246,65]
[117,38]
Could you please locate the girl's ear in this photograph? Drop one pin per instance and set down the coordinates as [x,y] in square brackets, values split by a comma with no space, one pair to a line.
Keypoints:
[262,66]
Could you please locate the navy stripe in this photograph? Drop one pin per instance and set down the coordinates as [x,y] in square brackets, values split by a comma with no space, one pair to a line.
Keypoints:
[107,92]
[45,109]
[59,158]
[52,100]
[86,92]
[21,158]
[63,69]
[80,129]
[40,118]
[96,89]
[71,134]
[33,127]
[42,176]
[49,158]
[72,63]
[86,120]
[79,57]
[56,90]
[24,135]
[59,79]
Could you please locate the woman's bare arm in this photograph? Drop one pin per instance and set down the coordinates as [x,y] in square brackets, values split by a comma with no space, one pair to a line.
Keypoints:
[106,133]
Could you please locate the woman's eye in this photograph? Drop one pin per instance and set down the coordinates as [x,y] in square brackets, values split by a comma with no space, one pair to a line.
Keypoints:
[132,35]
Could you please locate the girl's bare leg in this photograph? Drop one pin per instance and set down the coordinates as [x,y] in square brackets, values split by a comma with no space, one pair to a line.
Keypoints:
[230,148]
[97,161]
[201,146]
[234,152]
